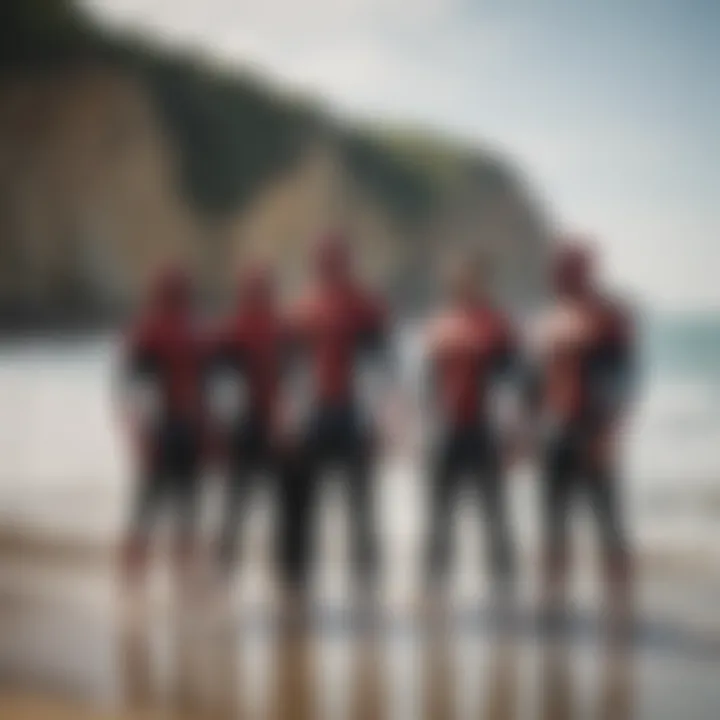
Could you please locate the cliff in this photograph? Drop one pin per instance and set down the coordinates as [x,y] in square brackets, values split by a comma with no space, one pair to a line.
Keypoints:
[114,154]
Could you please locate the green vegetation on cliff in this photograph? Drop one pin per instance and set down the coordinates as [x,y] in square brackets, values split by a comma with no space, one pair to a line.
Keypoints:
[232,132]
[116,150]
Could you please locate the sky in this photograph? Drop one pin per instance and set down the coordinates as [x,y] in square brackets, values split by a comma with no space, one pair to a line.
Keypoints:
[610,107]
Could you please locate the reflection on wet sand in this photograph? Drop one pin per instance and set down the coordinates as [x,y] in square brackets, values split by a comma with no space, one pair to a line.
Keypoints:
[470,675]
[617,693]
[293,697]
[136,667]
[369,698]
[613,698]
[501,695]
[438,681]
[215,660]
[214,664]
[557,700]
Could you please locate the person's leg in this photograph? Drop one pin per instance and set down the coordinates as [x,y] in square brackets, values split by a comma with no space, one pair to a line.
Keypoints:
[606,504]
[148,501]
[443,473]
[187,509]
[146,506]
[361,482]
[234,512]
[247,458]
[185,471]
[297,480]
[493,496]
[151,490]
[559,479]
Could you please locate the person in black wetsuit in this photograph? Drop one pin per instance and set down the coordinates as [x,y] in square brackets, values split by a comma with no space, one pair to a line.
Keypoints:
[163,396]
[471,352]
[246,367]
[584,349]
[336,327]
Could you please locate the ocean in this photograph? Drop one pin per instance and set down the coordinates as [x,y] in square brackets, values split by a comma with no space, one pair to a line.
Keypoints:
[63,460]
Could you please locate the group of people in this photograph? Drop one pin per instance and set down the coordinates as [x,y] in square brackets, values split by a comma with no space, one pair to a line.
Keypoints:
[278,392]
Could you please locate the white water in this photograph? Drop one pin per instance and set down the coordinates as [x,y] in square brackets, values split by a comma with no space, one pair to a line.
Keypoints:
[62,458]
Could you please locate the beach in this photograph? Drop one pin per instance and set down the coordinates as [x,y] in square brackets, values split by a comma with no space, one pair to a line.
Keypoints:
[72,645]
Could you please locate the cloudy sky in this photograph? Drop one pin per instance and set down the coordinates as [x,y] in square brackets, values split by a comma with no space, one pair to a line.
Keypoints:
[612,107]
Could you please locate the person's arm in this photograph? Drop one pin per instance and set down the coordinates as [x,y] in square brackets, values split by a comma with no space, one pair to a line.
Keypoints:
[226,381]
[381,377]
[506,378]
[430,416]
[296,373]
[378,353]
[506,360]
[528,364]
[615,366]
[137,378]
[136,392]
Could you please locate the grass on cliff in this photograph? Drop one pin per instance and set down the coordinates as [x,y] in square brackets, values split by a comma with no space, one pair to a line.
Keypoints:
[232,131]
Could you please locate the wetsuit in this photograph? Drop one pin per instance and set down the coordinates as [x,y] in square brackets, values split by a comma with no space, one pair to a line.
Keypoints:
[247,358]
[164,360]
[471,351]
[584,383]
[335,329]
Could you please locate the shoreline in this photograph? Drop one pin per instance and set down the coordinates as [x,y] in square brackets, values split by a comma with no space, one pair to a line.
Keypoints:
[76,552]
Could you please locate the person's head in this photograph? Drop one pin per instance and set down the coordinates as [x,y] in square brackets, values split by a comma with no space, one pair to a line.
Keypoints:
[172,289]
[256,286]
[333,259]
[466,276]
[573,269]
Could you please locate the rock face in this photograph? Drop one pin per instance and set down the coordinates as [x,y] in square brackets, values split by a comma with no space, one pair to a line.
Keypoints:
[117,158]
[403,255]
[88,196]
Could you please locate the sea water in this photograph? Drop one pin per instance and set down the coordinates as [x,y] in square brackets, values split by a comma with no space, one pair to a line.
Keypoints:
[64,460]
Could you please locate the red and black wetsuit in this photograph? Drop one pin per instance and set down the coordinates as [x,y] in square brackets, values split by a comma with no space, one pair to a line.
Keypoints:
[250,346]
[471,349]
[584,382]
[165,352]
[334,328]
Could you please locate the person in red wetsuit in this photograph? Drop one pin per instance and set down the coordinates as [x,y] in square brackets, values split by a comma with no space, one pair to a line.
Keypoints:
[246,368]
[337,327]
[471,353]
[162,393]
[584,380]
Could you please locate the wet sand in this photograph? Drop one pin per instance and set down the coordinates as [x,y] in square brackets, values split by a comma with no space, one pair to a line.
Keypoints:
[72,646]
